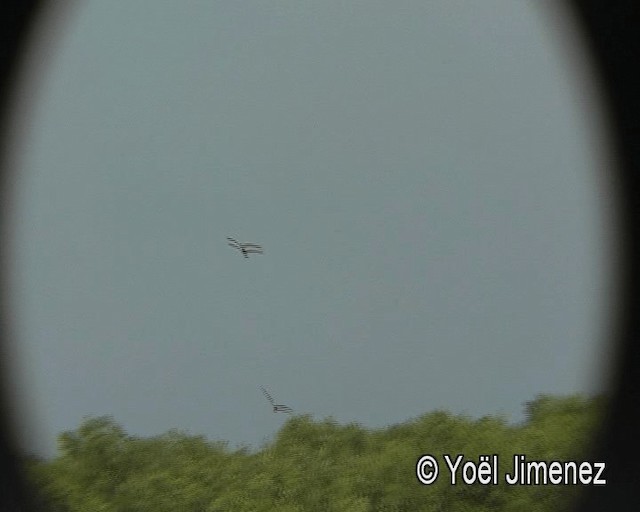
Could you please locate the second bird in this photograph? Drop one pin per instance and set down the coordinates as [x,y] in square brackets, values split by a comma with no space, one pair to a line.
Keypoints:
[245,248]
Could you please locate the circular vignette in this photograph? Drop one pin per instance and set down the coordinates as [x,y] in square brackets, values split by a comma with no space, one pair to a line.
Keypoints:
[614,47]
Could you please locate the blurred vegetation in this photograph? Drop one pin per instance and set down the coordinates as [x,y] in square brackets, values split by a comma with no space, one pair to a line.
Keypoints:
[315,465]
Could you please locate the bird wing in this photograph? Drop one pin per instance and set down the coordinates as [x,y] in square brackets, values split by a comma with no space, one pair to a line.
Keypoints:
[283,408]
[234,243]
[252,250]
[264,391]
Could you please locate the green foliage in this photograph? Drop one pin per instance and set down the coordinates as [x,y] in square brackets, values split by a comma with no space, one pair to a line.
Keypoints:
[314,465]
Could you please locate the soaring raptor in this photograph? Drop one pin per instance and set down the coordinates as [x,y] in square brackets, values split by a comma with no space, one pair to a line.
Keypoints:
[245,249]
[276,407]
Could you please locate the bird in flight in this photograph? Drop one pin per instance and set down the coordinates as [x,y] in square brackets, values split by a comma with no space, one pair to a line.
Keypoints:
[276,407]
[245,249]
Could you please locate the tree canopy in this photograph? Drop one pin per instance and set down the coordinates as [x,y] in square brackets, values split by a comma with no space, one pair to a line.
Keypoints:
[315,465]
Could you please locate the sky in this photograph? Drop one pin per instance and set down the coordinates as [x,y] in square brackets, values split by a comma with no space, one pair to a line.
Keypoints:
[426,179]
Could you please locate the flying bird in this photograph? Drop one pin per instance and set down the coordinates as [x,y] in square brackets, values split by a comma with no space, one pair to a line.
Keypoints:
[276,407]
[245,249]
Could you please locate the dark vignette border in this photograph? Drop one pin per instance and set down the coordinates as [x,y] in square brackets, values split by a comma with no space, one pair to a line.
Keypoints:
[611,32]
[17,19]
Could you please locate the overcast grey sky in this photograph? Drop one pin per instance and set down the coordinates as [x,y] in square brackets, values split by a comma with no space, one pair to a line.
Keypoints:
[422,176]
